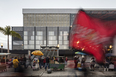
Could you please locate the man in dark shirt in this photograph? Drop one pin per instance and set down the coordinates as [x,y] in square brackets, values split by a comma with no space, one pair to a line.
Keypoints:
[47,65]
[29,62]
[24,61]
[40,62]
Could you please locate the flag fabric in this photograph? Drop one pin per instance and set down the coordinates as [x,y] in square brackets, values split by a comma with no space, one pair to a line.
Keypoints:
[90,33]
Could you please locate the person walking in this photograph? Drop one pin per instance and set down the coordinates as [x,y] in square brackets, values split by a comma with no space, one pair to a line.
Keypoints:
[40,62]
[24,62]
[29,62]
[83,61]
[92,64]
[66,59]
[76,62]
[47,65]
[15,63]
[106,64]
[44,61]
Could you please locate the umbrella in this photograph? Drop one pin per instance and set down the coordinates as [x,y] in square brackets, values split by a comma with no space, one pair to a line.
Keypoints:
[80,53]
[37,53]
[110,54]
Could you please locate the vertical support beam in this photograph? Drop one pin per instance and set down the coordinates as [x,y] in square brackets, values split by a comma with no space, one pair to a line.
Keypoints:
[46,37]
[58,52]
[23,38]
[5,59]
[29,52]
[57,35]
[12,40]
[114,46]
[34,37]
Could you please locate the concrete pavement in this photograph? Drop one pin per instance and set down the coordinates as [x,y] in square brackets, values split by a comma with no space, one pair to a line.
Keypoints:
[65,73]
[68,72]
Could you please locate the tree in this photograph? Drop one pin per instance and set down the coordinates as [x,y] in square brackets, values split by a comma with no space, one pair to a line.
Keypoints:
[7,31]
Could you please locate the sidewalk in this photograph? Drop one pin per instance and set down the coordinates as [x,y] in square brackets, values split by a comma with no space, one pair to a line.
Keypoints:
[68,72]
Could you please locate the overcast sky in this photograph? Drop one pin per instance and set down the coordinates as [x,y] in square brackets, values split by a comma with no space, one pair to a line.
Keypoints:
[11,10]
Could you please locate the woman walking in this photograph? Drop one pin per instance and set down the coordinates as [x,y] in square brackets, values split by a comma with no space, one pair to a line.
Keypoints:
[15,63]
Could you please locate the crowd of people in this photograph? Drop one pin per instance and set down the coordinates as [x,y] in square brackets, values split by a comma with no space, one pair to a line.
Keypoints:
[20,63]
[108,64]
[15,62]
[78,62]
[44,62]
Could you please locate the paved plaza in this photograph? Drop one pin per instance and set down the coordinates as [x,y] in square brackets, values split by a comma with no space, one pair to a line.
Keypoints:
[68,72]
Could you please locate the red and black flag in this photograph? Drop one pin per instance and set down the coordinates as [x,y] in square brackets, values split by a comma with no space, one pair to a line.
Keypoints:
[89,33]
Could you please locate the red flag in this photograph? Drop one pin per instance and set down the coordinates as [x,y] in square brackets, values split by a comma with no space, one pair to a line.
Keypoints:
[90,33]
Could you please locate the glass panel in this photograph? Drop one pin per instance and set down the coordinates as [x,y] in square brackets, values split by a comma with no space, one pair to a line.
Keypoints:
[31,42]
[51,33]
[60,37]
[25,46]
[60,32]
[25,38]
[44,42]
[37,46]
[39,42]
[17,42]
[65,38]
[53,42]
[60,42]
[65,33]
[39,38]
[25,33]
[31,46]
[33,32]
[25,42]
[32,37]
[39,33]
[66,42]
[63,47]
[52,37]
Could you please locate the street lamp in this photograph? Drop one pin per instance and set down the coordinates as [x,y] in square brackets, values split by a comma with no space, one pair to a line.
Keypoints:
[58,50]
[110,48]
[1,48]
[22,46]
[82,49]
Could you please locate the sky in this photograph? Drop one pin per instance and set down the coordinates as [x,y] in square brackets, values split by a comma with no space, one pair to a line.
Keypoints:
[11,10]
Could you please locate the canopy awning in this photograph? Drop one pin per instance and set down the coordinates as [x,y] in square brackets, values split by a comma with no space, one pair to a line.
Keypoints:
[4,54]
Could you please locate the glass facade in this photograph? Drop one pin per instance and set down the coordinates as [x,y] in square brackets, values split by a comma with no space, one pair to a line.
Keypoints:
[29,38]
[40,37]
[43,29]
[34,37]
[16,42]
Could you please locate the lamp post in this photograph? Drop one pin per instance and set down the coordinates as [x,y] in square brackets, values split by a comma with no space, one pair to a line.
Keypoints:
[58,50]
[22,46]
[69,35]
[110,48]
[1,48]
